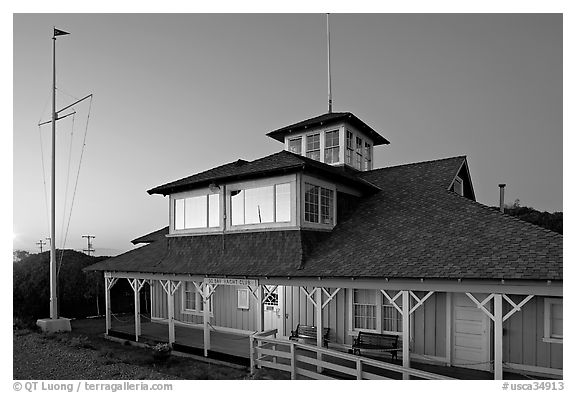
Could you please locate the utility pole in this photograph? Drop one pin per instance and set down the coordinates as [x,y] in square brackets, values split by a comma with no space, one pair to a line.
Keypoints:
[90,249]
[41,244]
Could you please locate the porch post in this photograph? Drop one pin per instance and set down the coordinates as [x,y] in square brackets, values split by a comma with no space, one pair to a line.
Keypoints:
[137,329]
[206,317]
[107,303]
[260,309]
[171,333]
[449,328]
[319,326]
[498,336]
[405,332]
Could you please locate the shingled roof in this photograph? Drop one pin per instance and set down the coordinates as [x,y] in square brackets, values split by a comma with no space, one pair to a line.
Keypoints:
[327,119]
[413,228]
[279,163]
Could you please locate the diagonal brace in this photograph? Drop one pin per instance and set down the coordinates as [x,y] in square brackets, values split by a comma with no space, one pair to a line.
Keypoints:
[310,295]
[515,307]
[480,305]
[329,295]
[419,301]
[392,300]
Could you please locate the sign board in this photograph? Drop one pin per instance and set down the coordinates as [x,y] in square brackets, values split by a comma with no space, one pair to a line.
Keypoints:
[230,281]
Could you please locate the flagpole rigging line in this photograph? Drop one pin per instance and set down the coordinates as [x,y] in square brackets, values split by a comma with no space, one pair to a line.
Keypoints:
[76,182]
[44,179]
[67,179]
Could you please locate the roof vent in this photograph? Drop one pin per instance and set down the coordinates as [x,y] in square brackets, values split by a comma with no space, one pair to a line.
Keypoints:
[240,162]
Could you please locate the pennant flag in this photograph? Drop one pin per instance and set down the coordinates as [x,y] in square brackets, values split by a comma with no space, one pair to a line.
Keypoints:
[59,32]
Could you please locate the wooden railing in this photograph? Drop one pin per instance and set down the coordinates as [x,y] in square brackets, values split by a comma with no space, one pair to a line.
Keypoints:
[303,360]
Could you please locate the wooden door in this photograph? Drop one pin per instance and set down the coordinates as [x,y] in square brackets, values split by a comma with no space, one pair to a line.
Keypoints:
[273,314]
[471,334]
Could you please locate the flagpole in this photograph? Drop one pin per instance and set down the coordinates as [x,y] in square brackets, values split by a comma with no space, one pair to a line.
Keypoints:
[329,71]
[54,323]
[53,276]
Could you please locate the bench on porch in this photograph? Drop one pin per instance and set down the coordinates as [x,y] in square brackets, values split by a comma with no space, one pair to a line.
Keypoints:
[310,333]
[376,341]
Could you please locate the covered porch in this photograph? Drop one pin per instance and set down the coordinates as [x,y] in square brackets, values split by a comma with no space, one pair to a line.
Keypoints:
[207,340]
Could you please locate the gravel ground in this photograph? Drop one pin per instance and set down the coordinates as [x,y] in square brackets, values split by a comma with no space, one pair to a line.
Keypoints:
[37,357]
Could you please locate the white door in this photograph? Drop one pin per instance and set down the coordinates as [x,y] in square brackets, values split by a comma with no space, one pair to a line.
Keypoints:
[471,334]
[273,311]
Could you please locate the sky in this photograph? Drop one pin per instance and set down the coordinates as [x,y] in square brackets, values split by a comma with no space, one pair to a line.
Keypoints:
[176,94]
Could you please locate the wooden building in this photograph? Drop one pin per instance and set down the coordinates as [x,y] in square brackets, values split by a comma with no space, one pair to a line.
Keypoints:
[314,235]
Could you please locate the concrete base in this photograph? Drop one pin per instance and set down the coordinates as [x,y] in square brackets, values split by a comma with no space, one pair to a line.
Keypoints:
[54,325]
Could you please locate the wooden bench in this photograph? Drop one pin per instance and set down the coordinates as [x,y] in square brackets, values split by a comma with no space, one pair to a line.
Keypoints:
[310,333]
[376,341]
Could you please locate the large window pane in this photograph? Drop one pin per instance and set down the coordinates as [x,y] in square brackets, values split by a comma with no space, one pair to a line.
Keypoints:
[311,203]
[556,320]
[313,146]
[214,210]
[295,145]
[332,149]
[326,206]
[259,205]
[195,212]
[349,147]
[179,214]
[283,202]
[237,207]
[358,162]
[364,308]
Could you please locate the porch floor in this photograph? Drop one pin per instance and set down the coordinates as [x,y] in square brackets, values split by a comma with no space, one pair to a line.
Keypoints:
[236,348]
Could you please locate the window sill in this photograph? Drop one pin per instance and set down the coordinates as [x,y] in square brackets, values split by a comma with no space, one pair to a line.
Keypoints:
[553,340]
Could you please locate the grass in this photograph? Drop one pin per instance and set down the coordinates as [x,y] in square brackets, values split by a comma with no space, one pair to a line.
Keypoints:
[88,334]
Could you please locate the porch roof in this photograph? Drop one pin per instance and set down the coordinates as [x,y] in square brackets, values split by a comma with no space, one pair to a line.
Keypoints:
[414,228]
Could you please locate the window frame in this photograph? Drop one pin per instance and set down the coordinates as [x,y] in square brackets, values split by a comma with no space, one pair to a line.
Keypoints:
[322,184]
[197,300]
[548,337]
[349,148]
[367,155]
[318,150]
[245,306]
[287,179]
[300,137]
[377,314]
[358,153]
[458,180]
[332,148]
[173,200]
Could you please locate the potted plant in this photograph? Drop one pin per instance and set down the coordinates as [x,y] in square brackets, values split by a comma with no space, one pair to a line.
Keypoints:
[161,351]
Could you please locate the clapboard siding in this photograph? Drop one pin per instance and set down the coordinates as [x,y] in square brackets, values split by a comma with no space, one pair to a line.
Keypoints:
[523,333]
[522,341]
[430,326]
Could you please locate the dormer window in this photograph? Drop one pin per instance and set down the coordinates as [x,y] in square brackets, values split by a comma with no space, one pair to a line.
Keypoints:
[313,146]
[349,148]
[295,145]
[458,186]
[201,211]
[318,204]
[359,149]
[368,156]
[260,205]
[332,147]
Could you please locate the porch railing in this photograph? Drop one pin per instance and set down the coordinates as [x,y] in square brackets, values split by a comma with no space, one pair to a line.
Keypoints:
[300,359]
